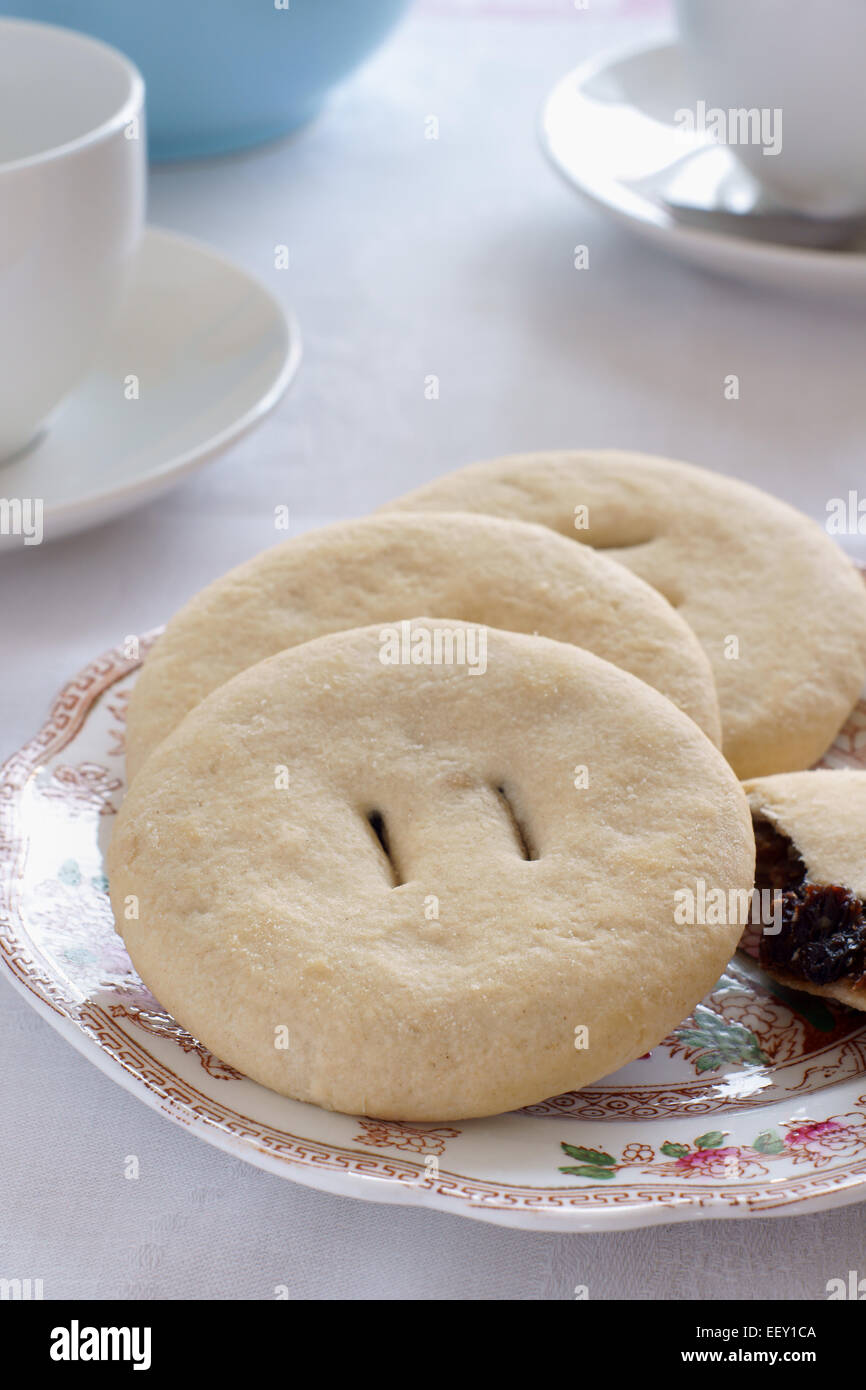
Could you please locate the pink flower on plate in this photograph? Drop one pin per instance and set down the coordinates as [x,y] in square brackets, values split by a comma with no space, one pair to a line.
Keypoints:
[813,1129]
[721,1164]
[706,1158]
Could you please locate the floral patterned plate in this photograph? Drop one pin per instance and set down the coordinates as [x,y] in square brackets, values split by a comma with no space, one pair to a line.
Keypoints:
[754,1105]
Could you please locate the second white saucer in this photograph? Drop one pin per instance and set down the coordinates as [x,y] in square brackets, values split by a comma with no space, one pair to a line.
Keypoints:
[609,128]
[202,352]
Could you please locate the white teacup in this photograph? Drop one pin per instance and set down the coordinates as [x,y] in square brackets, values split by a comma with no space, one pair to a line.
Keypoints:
[800,64]
[72,187]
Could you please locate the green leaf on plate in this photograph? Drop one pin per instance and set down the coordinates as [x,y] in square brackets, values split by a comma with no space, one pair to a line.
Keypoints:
[729,1041]
[674,1150]
[593,1156]
[769,1142]
[713,1139]
[69,873]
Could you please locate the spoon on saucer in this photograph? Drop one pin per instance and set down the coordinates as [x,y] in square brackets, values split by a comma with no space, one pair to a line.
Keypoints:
[708,190]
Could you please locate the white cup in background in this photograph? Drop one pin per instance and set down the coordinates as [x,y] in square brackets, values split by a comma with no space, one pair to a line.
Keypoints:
[803,59]
[72,189]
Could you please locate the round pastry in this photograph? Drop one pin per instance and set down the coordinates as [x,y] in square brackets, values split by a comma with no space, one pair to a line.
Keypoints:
[810,832]
[379,569]
[429,872]
[779,608]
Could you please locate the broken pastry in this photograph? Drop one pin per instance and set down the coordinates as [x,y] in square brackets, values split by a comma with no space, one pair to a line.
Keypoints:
[810,837]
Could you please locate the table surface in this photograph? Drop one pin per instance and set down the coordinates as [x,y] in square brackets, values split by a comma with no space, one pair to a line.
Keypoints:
[410,257]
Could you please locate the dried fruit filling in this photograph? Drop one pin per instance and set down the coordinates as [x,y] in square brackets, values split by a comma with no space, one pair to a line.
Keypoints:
[823,930]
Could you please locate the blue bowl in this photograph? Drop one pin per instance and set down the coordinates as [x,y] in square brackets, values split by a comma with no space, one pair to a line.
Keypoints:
[229,73]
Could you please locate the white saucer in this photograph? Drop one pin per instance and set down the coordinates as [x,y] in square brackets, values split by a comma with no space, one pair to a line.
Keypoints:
[608,127]
[213,352]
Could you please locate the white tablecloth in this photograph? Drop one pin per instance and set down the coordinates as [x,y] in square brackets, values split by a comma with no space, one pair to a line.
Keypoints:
[409,258]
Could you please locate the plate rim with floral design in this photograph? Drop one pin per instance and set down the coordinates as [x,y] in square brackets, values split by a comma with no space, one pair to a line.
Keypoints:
[58,949]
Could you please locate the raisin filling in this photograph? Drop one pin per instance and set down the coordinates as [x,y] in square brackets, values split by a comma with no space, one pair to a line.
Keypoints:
[823,935]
